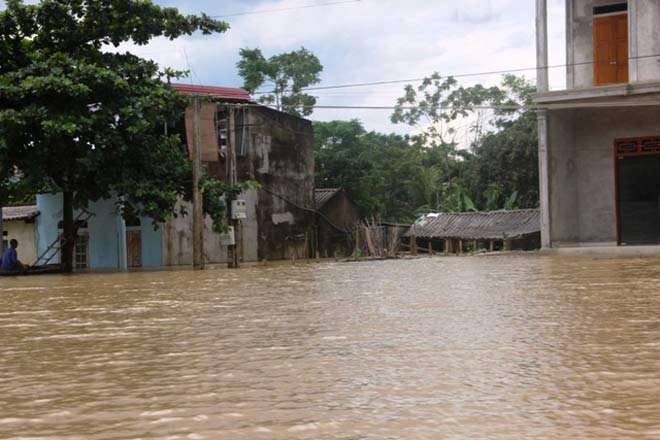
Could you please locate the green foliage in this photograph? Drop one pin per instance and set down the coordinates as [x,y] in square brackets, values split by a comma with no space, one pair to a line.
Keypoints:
[502,159]
[510,203]
[286,73]
[376,170]
[77,119]
[397,178]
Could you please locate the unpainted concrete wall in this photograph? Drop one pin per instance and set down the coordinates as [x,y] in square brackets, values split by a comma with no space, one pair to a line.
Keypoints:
[177,241]
[582,169]
[644,40]
[280,156]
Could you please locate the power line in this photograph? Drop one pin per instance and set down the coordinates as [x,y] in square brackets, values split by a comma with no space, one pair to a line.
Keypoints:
[291,8]
[458,75]
[558,106]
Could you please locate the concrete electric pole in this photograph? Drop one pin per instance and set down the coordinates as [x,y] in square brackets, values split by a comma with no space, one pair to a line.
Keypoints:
[198,212]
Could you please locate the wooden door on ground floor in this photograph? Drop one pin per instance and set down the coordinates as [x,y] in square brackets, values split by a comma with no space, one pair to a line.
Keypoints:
[134,248]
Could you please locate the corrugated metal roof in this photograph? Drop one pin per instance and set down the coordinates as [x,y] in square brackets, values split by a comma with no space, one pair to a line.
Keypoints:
[19,212]
[491,225]
[229,93]
[323,196]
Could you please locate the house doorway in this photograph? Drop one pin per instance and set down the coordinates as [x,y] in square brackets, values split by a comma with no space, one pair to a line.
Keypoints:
[610,38]
[134,248]
[638,191]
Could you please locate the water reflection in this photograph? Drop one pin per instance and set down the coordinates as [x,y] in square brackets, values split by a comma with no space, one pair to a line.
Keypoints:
[496,347]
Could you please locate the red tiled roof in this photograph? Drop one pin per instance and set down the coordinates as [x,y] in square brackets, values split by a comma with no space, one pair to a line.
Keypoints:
[229,93]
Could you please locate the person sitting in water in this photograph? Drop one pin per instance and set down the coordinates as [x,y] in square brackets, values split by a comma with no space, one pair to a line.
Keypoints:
[10,260]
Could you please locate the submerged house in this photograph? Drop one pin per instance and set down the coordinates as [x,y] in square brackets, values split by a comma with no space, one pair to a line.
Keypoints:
[18,222]
[456,232]
[271,147]
[337,216]
[599,140]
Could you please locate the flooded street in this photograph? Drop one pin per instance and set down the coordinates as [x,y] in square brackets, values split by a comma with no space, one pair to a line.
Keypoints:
[453,348]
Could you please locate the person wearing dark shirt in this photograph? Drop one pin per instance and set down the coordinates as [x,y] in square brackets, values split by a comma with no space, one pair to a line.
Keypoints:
[10,258]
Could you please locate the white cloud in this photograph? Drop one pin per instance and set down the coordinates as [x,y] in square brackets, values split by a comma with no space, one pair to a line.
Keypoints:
[370,40]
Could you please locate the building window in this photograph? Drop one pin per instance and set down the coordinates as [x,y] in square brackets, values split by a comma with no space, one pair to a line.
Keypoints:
[82,252]
[81,247]
[610,9]
[5,243]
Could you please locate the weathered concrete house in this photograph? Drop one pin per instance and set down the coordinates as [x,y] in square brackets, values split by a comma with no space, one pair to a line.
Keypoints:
[273,148]
[599,140]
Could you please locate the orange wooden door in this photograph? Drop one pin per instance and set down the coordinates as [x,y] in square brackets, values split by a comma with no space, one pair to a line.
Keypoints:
[611,49]
[134,248]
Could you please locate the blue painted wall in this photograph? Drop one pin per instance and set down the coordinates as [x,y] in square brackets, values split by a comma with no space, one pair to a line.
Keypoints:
[152,243]
[107,246]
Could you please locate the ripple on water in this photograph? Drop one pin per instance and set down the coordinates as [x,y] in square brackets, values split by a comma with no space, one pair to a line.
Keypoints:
[501,347]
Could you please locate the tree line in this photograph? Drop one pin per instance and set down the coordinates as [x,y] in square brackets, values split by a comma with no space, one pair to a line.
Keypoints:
[397,178]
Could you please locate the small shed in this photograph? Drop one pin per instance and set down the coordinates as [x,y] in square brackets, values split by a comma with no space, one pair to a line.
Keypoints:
[337,216]
[18,222]
[456,232]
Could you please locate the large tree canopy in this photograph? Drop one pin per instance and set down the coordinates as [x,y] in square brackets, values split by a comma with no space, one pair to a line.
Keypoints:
[287,74]
[79,119]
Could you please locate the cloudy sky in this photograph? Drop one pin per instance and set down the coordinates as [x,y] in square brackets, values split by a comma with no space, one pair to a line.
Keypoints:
[364,41]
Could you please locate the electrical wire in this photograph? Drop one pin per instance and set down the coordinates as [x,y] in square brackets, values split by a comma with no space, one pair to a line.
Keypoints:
[568,105]
[458,75]
[292,8]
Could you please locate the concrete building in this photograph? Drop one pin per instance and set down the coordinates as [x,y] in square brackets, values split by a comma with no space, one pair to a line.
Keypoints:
[19,223]
[599,140]
[272,148]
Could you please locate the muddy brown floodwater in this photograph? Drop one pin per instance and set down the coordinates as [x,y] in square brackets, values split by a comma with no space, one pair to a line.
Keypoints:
[451,348]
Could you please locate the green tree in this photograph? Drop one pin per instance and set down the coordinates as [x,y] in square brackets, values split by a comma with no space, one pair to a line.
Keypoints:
[287,74]
[80,120]
[506,157]
[377,170]
[502,159]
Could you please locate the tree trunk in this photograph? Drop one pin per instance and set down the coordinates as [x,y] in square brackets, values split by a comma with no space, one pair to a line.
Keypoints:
[69,232]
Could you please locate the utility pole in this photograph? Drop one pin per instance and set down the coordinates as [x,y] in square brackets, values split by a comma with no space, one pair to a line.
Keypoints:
[2,231]
[233,252]
[198,212]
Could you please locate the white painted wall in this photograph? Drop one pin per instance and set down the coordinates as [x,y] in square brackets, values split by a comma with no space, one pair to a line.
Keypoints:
[25,233]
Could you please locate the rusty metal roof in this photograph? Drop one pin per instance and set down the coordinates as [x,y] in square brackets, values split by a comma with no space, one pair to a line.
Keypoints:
[491,225]
[323,196]
[226,93]
[19,212]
